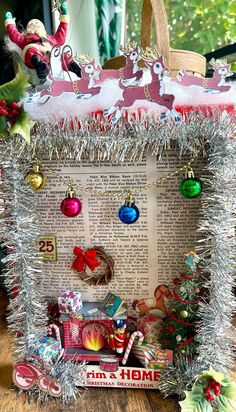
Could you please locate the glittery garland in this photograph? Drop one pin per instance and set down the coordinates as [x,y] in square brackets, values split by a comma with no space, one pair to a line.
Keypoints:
[19,231]
[129,141]
[218,247]
[72,377]
[27,308]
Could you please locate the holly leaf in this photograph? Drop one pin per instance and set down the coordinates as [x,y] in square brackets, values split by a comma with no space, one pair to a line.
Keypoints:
[228,388]
[194,403]
[3,126]
[22,126]
[211,374]
[14,90]
[225,404]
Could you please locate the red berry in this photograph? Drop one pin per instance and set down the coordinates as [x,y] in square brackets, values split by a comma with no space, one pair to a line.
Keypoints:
[209,398]
[176,281]
[212,383]
[14,105]
[15,112]
[170,329]
[3,112]
[196,290]
[216,391]
[206,390]
[2,103]
[11,115]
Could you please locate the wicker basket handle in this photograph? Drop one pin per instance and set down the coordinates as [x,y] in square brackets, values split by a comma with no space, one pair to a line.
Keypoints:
[157,9]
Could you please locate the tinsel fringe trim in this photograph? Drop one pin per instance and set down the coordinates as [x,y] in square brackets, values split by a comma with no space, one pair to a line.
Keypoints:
[128,141]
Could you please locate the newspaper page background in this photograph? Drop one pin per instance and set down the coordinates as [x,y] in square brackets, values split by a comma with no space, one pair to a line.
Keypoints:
[146,253]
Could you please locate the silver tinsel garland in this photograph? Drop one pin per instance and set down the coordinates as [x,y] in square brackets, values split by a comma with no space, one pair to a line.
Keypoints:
[207,135]
[18,232]
[126,141]
[72,377]
[219,249]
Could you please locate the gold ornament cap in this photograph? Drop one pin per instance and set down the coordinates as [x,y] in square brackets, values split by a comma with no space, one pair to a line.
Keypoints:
[129,200]
[70,192]
[189,174]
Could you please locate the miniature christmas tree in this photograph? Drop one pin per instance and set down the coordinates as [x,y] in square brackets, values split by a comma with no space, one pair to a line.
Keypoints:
[180,324]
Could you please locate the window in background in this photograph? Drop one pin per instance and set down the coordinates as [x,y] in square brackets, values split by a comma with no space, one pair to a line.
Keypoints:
[197,25]
[109,22]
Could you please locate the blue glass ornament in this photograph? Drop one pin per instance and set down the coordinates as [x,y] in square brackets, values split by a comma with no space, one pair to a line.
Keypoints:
[128,213]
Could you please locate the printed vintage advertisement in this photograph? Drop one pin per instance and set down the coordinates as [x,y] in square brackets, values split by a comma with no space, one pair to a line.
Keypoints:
[146,253]
[137,378]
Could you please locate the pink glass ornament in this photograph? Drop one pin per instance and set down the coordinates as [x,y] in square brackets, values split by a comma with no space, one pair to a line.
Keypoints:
[71,206]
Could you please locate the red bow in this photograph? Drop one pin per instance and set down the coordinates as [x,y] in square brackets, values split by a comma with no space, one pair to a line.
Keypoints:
[84,258]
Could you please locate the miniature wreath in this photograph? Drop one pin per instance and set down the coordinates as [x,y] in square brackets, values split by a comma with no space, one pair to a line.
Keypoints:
[88,258]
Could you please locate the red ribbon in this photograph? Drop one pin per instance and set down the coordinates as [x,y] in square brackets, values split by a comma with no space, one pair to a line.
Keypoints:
[170,315]
[187,302]
[186,342]
[84,258]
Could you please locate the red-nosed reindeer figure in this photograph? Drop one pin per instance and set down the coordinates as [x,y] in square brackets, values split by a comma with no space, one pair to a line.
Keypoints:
[153,92]
[83,87]
[215,84]
[131,73]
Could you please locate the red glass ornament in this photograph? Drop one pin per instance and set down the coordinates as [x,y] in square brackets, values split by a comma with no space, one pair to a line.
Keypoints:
[71,206]
[170,329]
[176,281]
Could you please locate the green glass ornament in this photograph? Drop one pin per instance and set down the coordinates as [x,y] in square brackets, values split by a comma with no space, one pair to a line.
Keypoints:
[190,187]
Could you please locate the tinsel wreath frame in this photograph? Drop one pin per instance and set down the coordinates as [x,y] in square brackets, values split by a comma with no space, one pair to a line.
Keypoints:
[210,136]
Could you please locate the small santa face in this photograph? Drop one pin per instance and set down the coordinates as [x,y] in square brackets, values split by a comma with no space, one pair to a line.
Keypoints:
[35,26]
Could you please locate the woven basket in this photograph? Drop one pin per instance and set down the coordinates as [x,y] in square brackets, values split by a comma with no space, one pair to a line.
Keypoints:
[176,60]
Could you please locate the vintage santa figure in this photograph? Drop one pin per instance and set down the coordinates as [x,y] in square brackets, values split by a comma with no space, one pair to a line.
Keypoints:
[36,44]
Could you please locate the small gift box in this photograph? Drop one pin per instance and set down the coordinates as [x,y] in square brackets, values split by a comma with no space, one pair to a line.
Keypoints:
[163,358]
[49,350]
[150,355]
[151,327]
[70,302]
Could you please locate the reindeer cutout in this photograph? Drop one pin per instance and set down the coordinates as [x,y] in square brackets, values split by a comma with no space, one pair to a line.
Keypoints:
[83,88]
[215,84]
[153,92]
[131,73]
[157,303]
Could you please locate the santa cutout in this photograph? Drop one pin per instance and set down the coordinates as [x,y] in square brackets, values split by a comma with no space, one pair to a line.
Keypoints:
[36,44]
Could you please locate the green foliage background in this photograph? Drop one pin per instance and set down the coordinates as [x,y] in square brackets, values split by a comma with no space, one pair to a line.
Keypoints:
[198,25]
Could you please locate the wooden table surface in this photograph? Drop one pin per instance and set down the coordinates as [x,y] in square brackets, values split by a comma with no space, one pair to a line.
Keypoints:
[92,400]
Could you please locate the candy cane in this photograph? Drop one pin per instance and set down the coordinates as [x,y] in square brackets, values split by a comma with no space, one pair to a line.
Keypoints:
[57,332]
[130,344]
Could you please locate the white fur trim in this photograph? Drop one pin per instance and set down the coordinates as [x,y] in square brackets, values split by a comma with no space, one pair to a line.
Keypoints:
[64,18]
[9,21]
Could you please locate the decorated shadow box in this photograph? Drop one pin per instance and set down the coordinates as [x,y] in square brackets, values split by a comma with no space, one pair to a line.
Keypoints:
[118,215]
